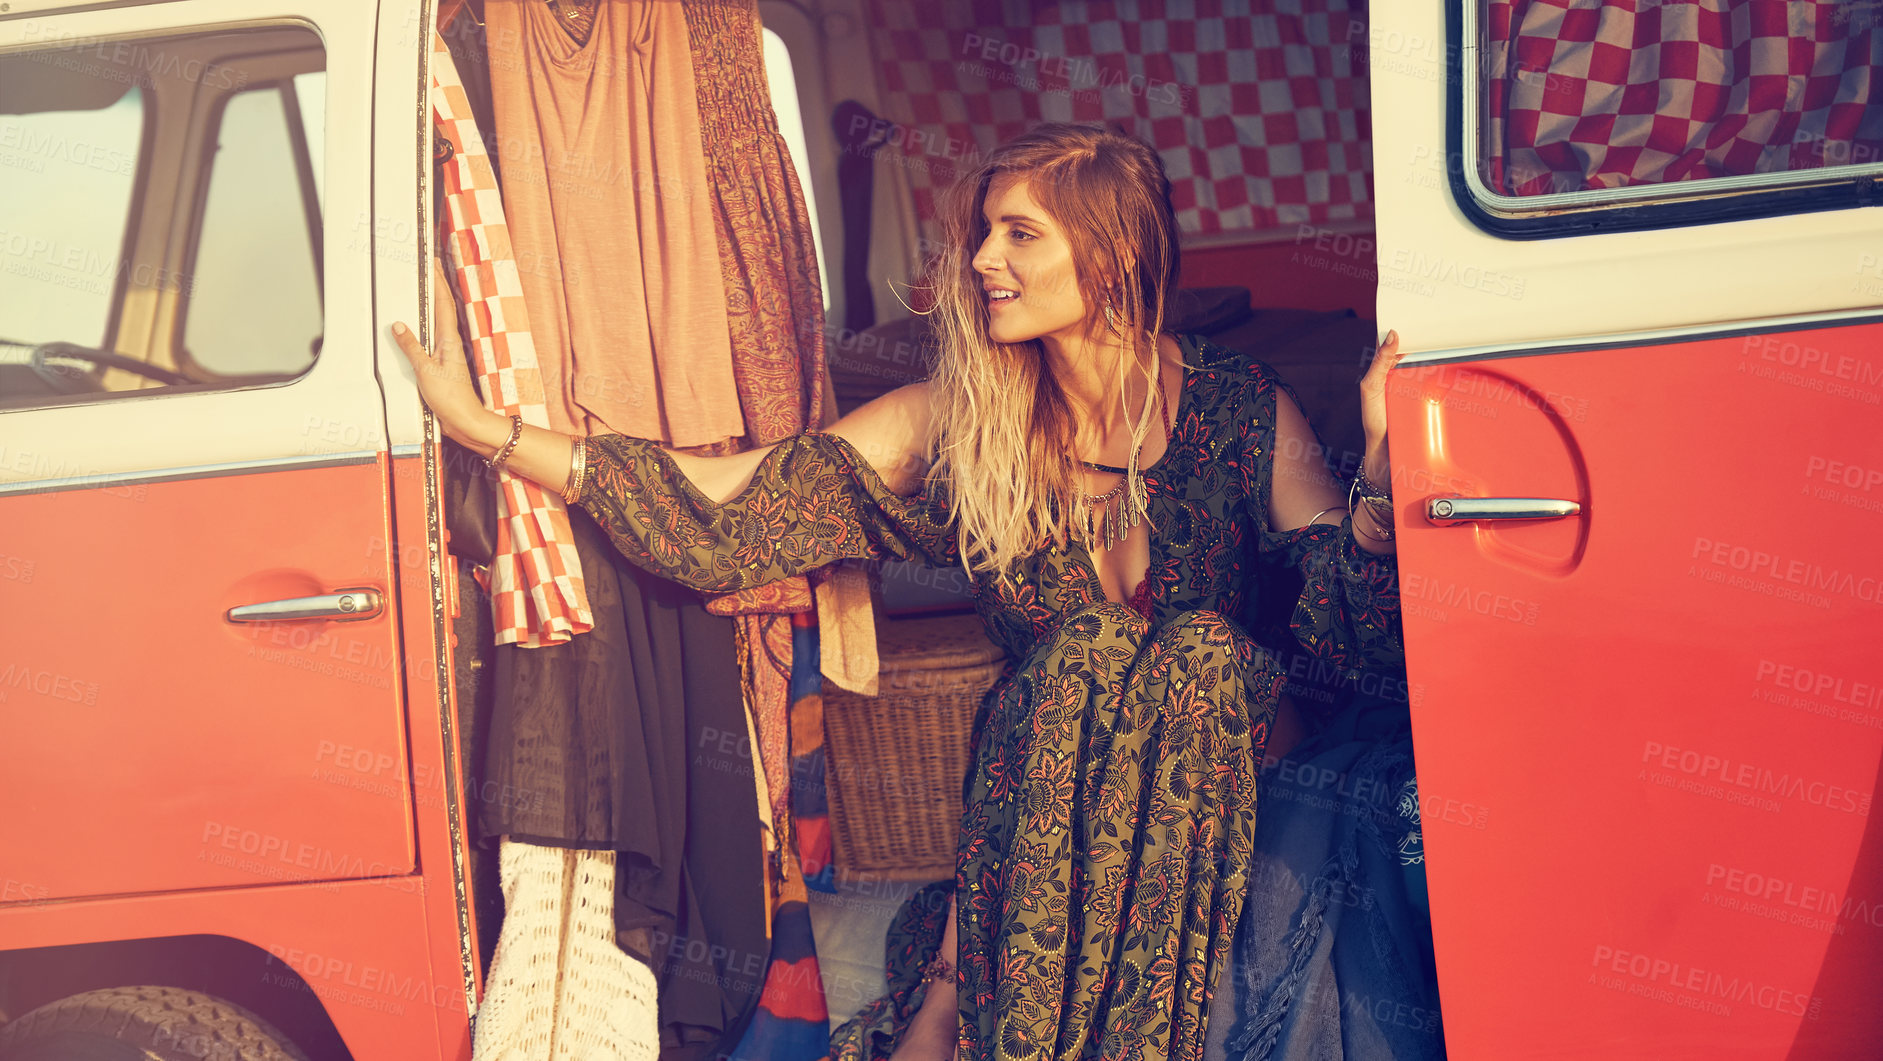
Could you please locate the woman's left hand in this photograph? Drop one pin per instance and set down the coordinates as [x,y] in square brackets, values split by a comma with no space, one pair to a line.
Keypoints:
[1373,409]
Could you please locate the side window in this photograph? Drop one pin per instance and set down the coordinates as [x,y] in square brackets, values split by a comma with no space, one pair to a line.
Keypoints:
[68,165]
[253,299]
[160,214]
[1597,106]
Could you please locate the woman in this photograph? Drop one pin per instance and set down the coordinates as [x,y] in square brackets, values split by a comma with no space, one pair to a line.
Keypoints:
[1110,489]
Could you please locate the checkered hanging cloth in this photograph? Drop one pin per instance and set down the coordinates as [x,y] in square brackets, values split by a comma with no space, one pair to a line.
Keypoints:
[1261,117]
[535,582]
[1582,95]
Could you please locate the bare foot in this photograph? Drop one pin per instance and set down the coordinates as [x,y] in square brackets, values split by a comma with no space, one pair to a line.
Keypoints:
[934,1031]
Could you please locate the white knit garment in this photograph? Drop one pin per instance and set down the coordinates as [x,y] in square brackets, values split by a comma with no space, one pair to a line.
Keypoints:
[559,988]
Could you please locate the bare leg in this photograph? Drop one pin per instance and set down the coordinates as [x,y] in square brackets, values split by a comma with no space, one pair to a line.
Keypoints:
[1286,732]
[934,1030]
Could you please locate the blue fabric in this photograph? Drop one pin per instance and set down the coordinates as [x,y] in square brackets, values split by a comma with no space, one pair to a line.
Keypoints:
[807,673]
[810,799]
[1333,954]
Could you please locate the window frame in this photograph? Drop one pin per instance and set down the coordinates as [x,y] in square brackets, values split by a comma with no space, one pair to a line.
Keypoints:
[1633,208]
[133,216]
[804,42]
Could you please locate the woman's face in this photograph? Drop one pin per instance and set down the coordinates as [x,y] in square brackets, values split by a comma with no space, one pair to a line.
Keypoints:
[1025,265]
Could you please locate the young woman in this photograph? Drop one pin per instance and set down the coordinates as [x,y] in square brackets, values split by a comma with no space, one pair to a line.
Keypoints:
[1112,490]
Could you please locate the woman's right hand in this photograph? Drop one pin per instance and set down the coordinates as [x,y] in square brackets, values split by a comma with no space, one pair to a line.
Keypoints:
[444,376]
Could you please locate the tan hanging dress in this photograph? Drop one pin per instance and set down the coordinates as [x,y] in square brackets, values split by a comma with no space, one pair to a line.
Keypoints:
[611,217]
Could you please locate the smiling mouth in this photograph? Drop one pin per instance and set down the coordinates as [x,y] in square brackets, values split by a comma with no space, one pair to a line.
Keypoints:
[997,296]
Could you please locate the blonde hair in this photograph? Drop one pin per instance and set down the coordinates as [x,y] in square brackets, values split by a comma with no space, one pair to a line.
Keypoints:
[1004,431]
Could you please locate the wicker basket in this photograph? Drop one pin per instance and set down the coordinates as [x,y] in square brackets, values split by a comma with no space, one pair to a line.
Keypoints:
[895,761]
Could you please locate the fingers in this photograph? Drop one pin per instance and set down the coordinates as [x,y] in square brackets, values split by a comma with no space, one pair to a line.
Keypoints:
[444,323]
[1384,359]
[408,342]
[1388,352]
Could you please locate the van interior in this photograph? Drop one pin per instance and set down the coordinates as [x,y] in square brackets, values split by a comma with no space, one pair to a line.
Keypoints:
[883,100]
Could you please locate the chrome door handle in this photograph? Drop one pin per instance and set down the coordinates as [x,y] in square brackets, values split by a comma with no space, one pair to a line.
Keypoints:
[1463,509]
[359,602]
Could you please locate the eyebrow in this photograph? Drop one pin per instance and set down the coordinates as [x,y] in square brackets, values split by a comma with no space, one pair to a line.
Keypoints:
[1018,217]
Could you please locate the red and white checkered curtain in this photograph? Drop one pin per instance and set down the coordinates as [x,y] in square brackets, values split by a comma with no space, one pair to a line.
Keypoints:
[1261,118]
[1584,95]
[537,593]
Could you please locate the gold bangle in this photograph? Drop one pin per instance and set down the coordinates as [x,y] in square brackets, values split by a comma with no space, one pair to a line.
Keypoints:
[1356,494]
[1388,528]
[1323,512]
[578,470]
[516,434]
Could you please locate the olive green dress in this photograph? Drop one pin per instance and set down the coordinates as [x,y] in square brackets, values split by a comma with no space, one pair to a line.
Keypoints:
[1108,815]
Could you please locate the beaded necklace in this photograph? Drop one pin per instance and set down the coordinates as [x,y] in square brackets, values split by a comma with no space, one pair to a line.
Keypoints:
[1113,514]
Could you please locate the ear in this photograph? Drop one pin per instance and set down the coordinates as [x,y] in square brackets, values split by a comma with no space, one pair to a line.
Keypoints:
[1110,278]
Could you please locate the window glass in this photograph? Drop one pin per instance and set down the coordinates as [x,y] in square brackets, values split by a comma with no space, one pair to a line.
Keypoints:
[65,199]
[254,307]
[1579,96]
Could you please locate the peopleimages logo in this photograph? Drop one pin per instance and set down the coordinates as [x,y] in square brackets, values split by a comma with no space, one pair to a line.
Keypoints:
[1818,683]
[1805,897]
[126,61]
[1649,972]
[1756,779]
[1792,571]
[1080,74]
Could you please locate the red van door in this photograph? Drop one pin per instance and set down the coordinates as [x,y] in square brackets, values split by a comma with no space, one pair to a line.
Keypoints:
[199,685]
[1639,482]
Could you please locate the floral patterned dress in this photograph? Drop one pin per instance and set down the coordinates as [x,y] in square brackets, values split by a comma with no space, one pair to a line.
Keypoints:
[1109,813]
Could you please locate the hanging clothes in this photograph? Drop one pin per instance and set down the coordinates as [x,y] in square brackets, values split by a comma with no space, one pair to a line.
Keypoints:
[605,182]
[792,1019]
[534,579]
[767,254]
[775,310]
[632,738]
[622,737]
[559,989]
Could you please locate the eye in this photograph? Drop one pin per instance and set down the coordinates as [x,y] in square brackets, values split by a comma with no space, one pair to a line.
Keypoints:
[1021,234]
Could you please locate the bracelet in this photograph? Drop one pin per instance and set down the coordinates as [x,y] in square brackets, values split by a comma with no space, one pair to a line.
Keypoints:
[1387,528]
[1368,490]
[939,969]
[578,470]
[1323,512]
[516,433]
[1379,502]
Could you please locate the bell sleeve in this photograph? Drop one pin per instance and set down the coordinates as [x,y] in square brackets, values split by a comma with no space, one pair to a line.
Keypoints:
[813,500]
[1348,611]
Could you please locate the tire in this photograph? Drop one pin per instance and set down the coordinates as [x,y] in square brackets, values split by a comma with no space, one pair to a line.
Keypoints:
[143,1024]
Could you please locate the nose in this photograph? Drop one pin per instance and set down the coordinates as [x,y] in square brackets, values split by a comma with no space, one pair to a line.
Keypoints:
[985,261]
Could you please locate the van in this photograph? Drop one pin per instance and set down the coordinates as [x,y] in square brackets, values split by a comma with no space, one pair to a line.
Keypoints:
[1634,444]
[230,768]
[1636,426]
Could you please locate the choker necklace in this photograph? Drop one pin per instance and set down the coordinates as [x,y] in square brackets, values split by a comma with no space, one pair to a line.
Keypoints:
[1112,515]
